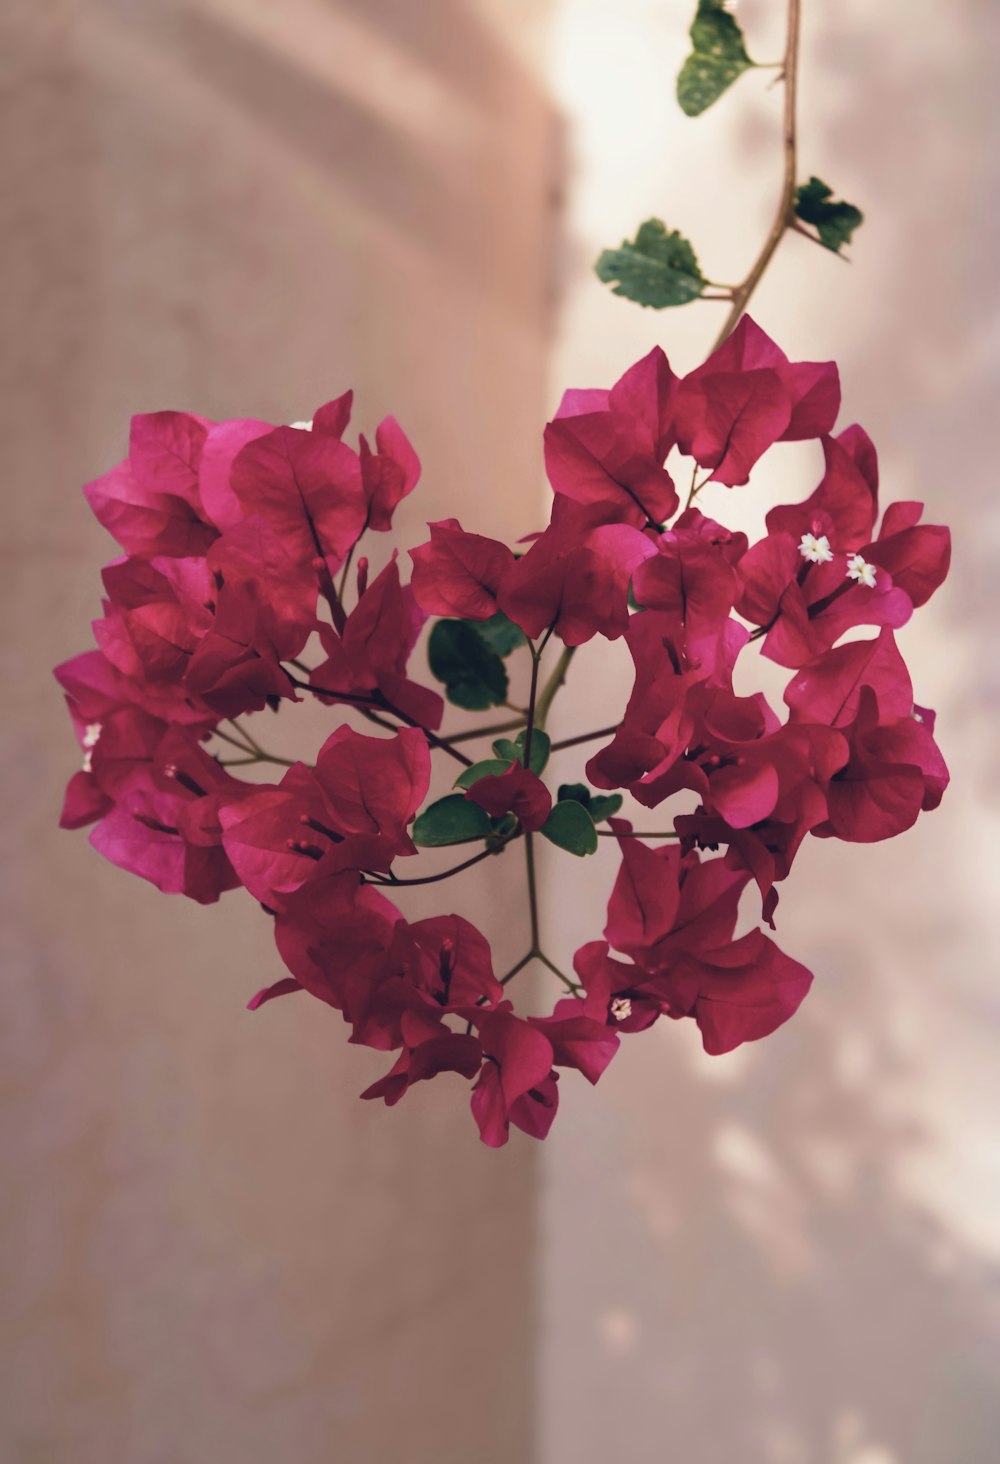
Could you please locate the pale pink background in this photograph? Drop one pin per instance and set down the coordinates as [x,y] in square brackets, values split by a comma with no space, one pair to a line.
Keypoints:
[210,1249]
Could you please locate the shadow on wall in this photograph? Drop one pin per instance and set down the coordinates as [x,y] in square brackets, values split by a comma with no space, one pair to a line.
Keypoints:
[767,1292]
[790,1256]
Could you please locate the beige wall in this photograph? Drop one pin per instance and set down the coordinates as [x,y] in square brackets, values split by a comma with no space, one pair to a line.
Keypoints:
[211,1250]
[790,1255]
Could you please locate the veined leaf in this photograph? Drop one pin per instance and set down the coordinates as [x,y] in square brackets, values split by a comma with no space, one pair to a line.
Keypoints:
[717,58]
[656,269]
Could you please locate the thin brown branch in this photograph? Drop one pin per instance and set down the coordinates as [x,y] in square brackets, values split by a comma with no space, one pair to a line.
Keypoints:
[583,737]
[376,699]
[635,834]
[447,873]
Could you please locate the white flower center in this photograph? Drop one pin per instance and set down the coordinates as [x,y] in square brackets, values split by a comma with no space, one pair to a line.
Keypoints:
[303,426]
[816,550]
[859,569]
[916,715]
[621,1008]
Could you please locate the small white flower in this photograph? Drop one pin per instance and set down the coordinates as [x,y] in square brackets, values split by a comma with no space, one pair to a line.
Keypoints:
[859,569]
[90,738]
[303,426]
[816,550]
[621,1008]
[916,715]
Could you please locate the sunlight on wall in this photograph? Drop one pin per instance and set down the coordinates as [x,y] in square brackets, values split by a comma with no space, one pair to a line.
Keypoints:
[785,1256]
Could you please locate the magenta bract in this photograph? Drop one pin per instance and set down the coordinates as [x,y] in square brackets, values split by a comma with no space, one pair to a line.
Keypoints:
[240,557]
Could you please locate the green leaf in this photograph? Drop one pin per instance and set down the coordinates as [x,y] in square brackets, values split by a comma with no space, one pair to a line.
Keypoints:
[570,827]
[718,57]
[574,793]
[541,745]
[834,222]
[604,806]
[474,676]
[500,634]
[599,806]
[656,269]
[451,820]
[491,767]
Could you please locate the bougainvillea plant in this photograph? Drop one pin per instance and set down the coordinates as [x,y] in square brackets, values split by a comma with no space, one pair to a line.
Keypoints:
[243,553]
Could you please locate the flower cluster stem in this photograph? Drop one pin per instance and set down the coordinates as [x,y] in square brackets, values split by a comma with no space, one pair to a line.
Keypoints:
[555,681]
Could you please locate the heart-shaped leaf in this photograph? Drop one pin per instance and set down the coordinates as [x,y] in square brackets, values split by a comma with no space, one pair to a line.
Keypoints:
[570,827]
[500,634]
[541,745]
[474,676]
[599,805]
[491,767]
[451,820]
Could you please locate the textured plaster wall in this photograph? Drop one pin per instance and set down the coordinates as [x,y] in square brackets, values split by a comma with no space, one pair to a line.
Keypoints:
[210,1249]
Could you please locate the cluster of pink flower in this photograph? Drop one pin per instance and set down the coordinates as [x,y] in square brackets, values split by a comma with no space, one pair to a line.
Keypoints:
[235,532]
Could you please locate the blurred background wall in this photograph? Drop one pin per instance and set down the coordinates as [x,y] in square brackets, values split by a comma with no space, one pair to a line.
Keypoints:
[210,1250]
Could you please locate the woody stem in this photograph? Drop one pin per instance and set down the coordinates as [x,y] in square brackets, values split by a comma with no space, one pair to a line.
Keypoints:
[784,216]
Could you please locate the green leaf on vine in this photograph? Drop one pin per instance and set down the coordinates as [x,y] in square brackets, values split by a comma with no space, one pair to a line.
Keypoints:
[656,269]
[717,58]
[540,747]
[834,222]
[474,676]
[500,634]
[599,805]
[490,767]
[451,820]
[569,826]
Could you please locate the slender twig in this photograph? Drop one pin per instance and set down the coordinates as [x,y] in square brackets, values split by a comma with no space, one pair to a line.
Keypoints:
[584,737]
[258,757]
[529,854]
[486,731]
[432,737]
[696,487]
[635,834]
[570,985]
[245,734]
[784,216]
[536,656]
[225,737]
[519,966]
[376,699]
[455,868]
[360,699]
[347,566]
